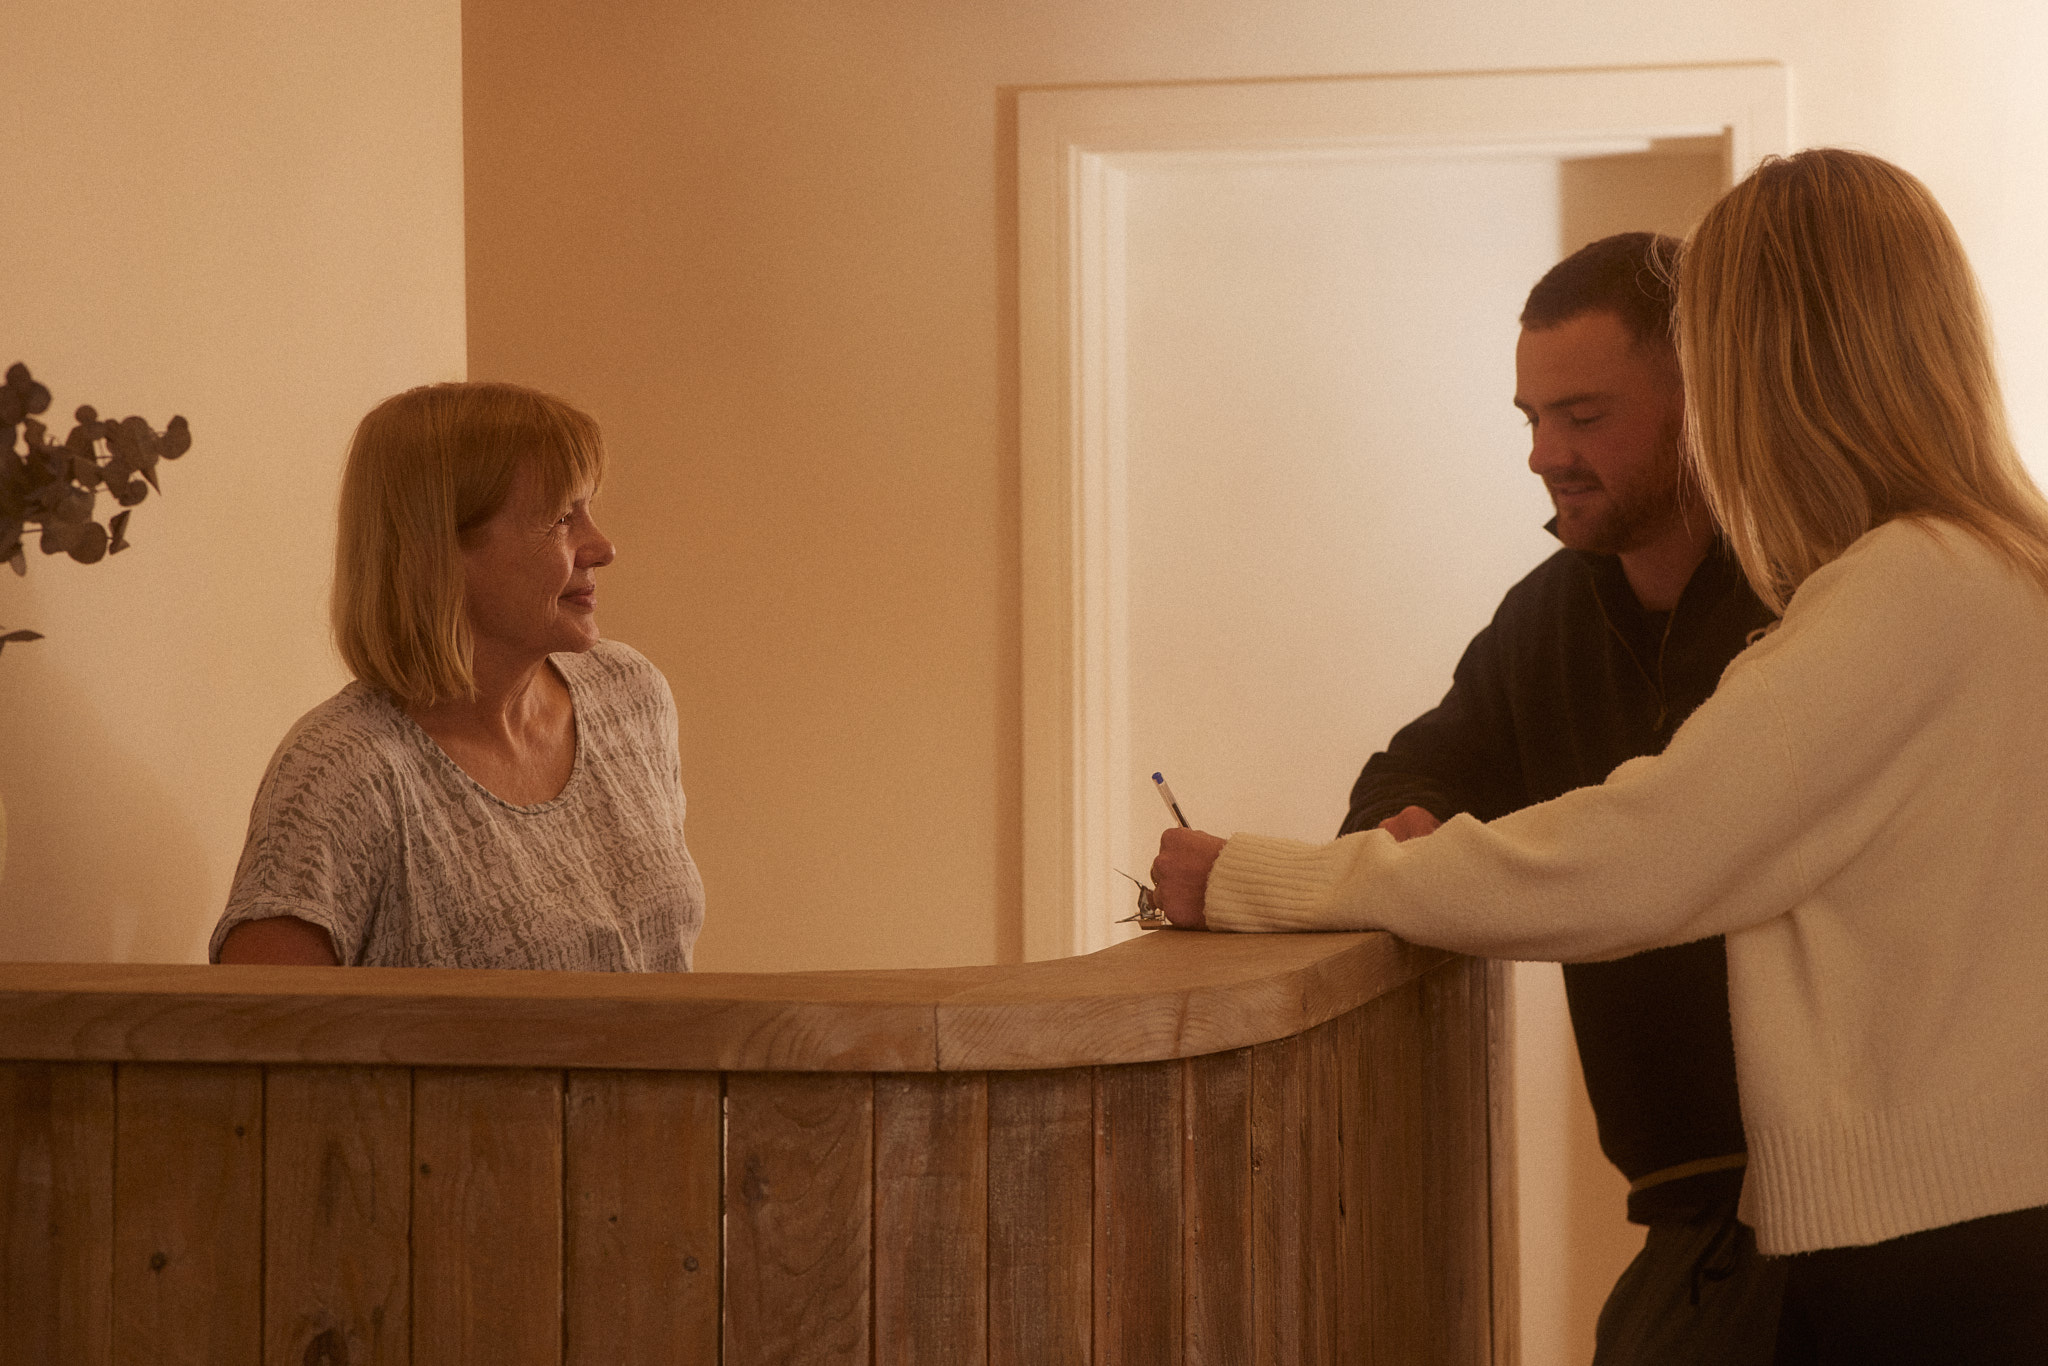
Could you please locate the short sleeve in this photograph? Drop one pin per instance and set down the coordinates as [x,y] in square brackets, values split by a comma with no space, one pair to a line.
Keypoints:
[322,836]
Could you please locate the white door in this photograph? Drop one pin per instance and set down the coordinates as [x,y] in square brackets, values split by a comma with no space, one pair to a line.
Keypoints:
[1325,479]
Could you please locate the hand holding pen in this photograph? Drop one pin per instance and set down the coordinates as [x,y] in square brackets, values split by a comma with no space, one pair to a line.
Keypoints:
[1180,873]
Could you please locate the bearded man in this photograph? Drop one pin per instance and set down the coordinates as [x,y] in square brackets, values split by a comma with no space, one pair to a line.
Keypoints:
[1593,659]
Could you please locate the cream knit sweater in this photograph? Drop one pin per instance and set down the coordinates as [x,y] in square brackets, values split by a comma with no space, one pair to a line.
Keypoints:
[1862,809]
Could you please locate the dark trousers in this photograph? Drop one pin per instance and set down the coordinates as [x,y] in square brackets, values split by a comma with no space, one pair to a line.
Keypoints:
[1970,1293]
[1697,1295]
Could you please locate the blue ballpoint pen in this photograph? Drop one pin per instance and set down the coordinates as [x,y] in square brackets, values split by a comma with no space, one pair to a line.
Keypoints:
[1166,795]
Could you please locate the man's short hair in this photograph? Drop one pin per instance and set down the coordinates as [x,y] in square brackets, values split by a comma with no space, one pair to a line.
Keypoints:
[1629,275]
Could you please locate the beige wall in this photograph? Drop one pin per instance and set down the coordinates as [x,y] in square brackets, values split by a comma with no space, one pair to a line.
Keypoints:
[769,244]
[250,214]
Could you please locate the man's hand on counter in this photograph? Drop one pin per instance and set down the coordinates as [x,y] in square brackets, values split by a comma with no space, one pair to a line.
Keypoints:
[1408,823]
[1180,875]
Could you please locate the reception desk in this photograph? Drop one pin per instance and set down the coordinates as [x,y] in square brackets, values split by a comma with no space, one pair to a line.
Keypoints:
[1188,1148]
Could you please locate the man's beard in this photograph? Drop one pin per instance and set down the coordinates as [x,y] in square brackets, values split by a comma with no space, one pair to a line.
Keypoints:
[1610,526]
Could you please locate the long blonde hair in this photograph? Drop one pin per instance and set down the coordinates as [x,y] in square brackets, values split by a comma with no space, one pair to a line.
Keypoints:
[425,467]
[1839,373]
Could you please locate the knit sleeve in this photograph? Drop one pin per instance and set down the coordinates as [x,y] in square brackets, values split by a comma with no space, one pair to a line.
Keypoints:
[1804,755]
[323,835]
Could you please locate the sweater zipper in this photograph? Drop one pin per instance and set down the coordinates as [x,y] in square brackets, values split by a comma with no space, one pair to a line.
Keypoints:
[1656,681]
[1663,707]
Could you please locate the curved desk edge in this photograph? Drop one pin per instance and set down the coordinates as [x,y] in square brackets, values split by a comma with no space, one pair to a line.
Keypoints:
[1166,995]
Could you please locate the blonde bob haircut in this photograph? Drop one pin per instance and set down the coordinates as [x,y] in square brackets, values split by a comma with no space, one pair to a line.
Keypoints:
[1838,371]
[425,468]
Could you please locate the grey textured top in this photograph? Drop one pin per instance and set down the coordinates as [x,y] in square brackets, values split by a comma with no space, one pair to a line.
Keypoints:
[364,826]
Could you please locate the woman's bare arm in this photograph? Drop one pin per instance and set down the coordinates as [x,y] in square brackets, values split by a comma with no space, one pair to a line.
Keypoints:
[284,940]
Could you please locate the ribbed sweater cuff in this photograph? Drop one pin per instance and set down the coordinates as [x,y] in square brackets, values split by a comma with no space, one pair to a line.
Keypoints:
[1867,1178]
[1262,884]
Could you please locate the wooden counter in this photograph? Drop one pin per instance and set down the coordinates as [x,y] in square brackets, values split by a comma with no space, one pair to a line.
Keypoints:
[1188,1148]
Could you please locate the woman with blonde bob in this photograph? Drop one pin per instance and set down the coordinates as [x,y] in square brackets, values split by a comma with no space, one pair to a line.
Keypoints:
[499,788]
[1861,808]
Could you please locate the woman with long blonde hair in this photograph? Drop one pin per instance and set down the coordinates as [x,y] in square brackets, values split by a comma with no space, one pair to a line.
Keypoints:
[1861,808]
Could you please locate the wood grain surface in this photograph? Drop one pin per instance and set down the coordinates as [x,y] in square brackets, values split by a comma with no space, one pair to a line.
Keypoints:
[1140,1299]
[931,1220]
[1216,1203]
[1163,996]
[1168,995]
[445,1017]
[799,1203]
[1041,1163]
[644,1176]
[1354,1193]
[188,1215]
[487,1217]
[337,1216]
[1426,1122]
[1337,1190]
[1323,1168]
[1504,1230]
[1280,1203]
[56,1213]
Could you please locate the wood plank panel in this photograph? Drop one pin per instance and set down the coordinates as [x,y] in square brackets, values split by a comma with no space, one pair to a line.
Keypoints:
[188,1215]
[1354,1286]
[56,1213]
[931,1220]
[1426,1115]
[487,1217]
[1041,1158]
[1279,1203]
[1323,1161]
[1216,1192]
[798,1199]
[1139,1134]
[1504,1228]
[337,1216]
[643,1153]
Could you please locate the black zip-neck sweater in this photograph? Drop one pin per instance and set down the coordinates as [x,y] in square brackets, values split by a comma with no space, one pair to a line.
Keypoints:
[1572,678]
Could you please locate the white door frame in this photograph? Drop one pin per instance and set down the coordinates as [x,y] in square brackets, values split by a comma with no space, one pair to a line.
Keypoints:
[1075,150]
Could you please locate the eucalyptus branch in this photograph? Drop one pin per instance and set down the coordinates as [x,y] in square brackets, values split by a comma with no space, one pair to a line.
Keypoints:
[53,487]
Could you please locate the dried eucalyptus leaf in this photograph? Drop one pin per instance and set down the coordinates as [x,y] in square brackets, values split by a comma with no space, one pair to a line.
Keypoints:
[75,506]
[121,444]
[53,487]
[34,397]
[91,545]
